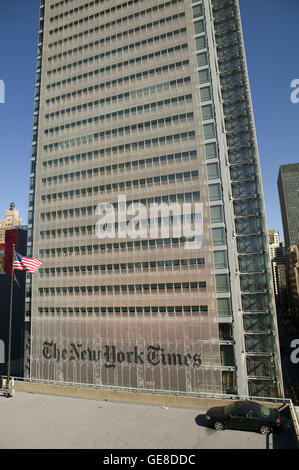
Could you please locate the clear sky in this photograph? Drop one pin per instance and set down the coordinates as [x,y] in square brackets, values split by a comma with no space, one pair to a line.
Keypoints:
[271,33]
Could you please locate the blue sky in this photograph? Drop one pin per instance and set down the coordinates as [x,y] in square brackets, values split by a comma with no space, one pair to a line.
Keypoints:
[271,36]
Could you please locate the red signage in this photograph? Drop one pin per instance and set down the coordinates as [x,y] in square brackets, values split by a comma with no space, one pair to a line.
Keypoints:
[11,238]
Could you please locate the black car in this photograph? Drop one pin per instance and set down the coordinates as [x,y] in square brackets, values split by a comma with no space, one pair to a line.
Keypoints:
[246,415]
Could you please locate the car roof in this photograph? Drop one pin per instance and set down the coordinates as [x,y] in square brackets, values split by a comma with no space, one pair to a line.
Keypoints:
[247,403]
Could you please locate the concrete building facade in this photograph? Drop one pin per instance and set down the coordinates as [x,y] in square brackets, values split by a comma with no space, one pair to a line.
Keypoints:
[151,101]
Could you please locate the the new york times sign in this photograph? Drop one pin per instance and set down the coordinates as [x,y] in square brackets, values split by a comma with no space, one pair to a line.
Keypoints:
[111,355]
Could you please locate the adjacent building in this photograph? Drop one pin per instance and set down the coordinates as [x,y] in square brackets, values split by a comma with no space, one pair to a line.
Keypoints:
[293,283]
[288,190]
[280,263]
[148,101]
[278,258]
[274,241]
[12,234]
[2,245]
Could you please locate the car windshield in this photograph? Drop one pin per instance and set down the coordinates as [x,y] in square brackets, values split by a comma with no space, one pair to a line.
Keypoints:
[260,408]
[264,410]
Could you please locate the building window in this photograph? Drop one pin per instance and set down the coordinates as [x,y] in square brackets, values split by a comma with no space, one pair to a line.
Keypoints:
[202,59]
[204,76]
[220,259]
[211,150]
[222,283]
[218,236]
[197,11]
[209,131]
[216,214]
[213,171]
[214,192]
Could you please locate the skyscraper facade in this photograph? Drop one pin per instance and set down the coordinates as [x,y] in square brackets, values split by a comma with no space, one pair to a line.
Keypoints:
[141,104]
[288,190]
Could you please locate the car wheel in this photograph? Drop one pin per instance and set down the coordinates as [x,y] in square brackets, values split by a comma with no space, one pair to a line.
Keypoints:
[219,426]
[265,430]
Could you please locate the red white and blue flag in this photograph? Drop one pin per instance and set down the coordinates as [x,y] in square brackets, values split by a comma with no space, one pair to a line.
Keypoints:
[22,263]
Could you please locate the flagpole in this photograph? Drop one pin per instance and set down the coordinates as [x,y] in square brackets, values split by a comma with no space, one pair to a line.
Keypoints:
[10,320]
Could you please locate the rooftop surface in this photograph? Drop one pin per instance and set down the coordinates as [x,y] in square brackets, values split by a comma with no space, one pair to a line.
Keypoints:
[42,421]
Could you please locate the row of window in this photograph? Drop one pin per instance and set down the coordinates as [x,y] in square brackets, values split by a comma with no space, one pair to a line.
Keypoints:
[120,114]
[95,154]
[218,234]
[141,60]
[88,230]
[127,130]
[212,171]
[66,2]
[168,139]
[130,184]
[221,280]
[122,268]
[90,210]
[171,222]
[120,35]
[129,246]
[179,158]
[220,257]
[207,111]
[210,151]
[92,4]
[176,287]
[120,50]
[217,216]
[120,81]
[220,262]
[170,310]
[118,21]
[120,97]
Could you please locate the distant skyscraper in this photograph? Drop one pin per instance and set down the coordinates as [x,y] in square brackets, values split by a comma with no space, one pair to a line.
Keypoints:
[288,189]
[274,241]
[278,259]
[148,100]
[11,219]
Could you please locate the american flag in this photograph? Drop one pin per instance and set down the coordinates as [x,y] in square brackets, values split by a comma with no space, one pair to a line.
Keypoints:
[22,263]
